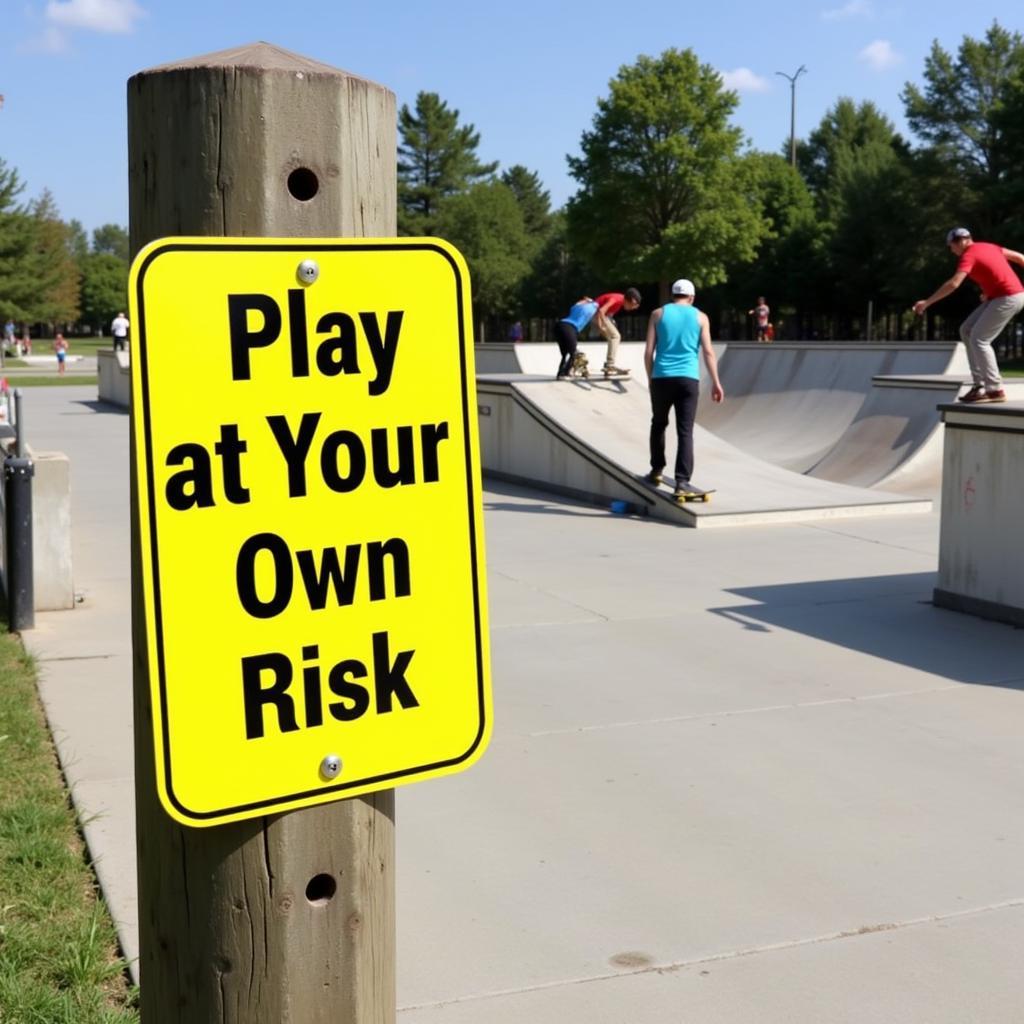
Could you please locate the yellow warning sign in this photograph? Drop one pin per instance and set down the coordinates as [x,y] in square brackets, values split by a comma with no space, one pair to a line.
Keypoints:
[304,417]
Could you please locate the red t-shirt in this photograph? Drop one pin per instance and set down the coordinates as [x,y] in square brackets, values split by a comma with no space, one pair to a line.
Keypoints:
[615,298]
[985,264]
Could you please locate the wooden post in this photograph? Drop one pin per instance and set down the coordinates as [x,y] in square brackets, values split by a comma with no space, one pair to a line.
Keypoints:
[286,919]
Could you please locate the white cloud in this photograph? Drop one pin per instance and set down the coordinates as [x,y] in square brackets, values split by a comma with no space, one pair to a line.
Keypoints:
[852,9]
[880,56]
[94,15]
[745,80]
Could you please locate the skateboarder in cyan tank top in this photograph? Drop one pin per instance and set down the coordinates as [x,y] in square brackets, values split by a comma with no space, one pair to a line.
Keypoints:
[675,334]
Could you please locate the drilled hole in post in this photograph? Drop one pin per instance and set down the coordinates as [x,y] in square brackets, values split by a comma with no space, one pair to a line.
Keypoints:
[321,890]
[303,184]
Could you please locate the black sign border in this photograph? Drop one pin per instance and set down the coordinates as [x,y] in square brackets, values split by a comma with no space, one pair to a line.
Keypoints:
[275,803]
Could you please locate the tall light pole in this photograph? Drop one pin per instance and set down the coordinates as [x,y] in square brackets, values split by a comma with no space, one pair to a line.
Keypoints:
[792,109]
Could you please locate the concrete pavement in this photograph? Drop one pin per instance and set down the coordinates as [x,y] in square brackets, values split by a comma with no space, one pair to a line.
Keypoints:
[736,775]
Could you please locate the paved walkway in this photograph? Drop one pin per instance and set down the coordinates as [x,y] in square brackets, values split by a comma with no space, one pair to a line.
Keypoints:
[736,775]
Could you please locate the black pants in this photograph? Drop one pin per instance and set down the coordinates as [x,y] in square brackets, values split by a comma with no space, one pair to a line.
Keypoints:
[119,342]
[678,394]
[566,336]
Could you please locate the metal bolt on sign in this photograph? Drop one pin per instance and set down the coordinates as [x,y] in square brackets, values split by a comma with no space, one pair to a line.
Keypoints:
[308,272]
[330,766]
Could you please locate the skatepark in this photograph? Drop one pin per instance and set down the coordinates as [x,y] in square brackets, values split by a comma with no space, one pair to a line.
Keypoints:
[737,774]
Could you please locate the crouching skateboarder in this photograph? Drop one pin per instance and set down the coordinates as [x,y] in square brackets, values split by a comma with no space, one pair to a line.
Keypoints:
[1002,298]
[675,334]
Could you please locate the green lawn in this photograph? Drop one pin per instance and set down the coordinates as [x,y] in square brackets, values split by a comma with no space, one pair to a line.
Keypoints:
[52,381]
[58,955]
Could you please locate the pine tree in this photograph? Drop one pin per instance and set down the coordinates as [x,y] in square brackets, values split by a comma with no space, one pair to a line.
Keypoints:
[17,285]
[436,159]
[53,263]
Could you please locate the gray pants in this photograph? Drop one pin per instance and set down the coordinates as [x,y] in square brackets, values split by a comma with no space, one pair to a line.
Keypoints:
[610,333]
[978,332]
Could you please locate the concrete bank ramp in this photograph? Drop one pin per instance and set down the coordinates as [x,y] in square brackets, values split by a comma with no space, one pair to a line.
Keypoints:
[541,357]
[791,404]
[590,439]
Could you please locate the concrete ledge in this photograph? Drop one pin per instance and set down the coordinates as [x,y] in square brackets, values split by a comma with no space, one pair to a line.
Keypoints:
[978,606]
[115,378]
[51,532]
[981,560]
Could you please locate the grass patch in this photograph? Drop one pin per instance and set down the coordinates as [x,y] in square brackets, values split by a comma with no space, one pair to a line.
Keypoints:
[58,951]
[67,380]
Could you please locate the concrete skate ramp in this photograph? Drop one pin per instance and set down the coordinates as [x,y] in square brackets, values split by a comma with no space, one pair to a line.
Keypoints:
[792,403]
[542,357]
[895,441]
[590,439]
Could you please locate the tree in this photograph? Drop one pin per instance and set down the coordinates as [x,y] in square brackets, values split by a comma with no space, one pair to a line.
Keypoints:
[557,276]
[112,239]
[790,263]
[1009,193]
[845,128]
[963,98]
[52,264]
[486,225]
[534,201]
[436,159]
[17,287]
[663,189]
[78,240]
[104,289]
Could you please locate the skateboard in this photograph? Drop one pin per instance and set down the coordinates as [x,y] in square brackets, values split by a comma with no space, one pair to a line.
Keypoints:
[580,365]
[690,494]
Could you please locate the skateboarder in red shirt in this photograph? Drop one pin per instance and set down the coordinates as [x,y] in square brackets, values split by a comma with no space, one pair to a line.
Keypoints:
[607,306]
[1002,298]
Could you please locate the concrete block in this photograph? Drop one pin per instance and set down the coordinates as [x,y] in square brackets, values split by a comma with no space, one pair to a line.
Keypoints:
[115,380]
[51,532]
[981,561]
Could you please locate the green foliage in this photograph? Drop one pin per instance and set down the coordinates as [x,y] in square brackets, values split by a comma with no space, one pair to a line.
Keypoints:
[790,263]
[964,98]
[104,289]
[534,201]
[663,190]
[78,240]
[111,239]
[436,159]
[486,224]
[53,265]
[17,286]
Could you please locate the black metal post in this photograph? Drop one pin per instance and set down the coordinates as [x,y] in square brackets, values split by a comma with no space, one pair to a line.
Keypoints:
[18,473]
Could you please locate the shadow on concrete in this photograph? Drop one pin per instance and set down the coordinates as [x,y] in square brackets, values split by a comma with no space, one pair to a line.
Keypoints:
[888,617]
[537,506]
[534,501]
[94,405]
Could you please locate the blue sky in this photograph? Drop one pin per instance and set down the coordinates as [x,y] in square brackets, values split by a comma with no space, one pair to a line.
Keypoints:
[526,74]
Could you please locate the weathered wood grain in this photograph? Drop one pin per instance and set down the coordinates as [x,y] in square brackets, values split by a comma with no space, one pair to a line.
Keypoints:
[226,931]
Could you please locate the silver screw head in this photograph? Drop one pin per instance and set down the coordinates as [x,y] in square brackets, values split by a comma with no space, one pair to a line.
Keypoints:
[330,766]
[308,272]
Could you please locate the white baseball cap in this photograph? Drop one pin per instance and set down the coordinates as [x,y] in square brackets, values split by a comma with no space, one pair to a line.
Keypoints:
[683,287]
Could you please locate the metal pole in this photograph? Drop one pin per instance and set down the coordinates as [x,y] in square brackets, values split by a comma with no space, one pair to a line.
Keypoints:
[18,473]
[792,109]
[19,430]
[871,310]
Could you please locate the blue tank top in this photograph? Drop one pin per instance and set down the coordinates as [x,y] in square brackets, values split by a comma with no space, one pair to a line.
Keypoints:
[677,342]
[580,315]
